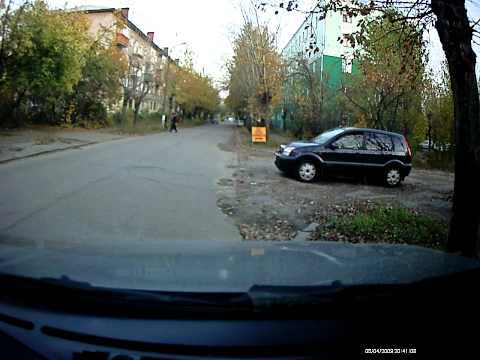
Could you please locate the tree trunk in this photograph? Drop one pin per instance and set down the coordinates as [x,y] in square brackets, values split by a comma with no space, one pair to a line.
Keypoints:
[456,37]
[136,112]
[124,108]
[12,112]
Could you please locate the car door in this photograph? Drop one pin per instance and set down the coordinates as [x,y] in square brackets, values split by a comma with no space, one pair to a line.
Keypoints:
[378,151]
[343,154]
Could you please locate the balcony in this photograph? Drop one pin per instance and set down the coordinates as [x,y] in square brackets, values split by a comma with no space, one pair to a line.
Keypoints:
[137,55]
[148,77]
[122,40]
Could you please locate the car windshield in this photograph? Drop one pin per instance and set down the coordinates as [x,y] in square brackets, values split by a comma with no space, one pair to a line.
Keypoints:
[326,136]
[167,145]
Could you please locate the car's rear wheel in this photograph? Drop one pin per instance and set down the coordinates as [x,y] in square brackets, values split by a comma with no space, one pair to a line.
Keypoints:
[393,176]
[307,171]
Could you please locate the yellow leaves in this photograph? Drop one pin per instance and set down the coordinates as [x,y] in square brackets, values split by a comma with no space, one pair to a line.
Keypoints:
[361,121]
[195,91]
[387,91]
[255,72]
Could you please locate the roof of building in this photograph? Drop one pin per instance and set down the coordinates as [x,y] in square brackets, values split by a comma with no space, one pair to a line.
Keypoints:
[302,25]
[91,9]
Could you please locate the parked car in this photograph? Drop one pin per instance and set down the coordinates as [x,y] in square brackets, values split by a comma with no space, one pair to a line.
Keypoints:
[348,152]
[229,120]
[424,145]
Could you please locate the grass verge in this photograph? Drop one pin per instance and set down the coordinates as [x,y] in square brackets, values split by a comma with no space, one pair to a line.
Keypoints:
[376,223]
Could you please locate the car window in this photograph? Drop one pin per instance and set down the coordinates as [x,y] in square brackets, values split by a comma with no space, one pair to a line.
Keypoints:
[324,137]
[350,142]
[378,142]
[399,144]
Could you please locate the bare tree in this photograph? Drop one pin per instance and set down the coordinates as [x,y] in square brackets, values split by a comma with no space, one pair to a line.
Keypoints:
[309,98]
[141,79]
[256,69]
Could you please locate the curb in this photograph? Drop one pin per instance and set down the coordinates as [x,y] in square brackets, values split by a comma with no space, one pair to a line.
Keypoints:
[303,235]
[48,152]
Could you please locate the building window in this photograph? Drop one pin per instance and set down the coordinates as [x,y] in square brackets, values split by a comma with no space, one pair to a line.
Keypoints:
[347,65]
[346,41]
[347,18]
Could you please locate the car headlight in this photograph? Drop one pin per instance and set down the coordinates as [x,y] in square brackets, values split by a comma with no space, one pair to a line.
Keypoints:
[288,150]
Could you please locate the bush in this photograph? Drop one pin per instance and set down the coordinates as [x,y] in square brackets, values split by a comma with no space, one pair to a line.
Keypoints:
[437,160]
[117,118]
[152,116]
[93,112]
[197,121]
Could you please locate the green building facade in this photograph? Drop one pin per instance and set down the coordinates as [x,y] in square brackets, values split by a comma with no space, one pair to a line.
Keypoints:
[332,61]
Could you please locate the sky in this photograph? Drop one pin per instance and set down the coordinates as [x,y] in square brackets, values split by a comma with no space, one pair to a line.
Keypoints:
[208,27]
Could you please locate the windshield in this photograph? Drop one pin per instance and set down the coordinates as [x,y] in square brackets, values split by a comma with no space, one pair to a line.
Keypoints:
[326,136]
[143,146]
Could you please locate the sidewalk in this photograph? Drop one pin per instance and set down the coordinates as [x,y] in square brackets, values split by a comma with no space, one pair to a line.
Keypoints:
[19,144]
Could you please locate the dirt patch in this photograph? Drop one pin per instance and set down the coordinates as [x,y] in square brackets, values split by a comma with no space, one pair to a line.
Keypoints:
[45,140]
[15,148]
[27,142]
[7,134]
[229,146]
[268,205]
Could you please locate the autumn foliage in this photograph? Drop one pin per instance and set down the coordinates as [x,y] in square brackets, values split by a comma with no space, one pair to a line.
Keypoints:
[255,73]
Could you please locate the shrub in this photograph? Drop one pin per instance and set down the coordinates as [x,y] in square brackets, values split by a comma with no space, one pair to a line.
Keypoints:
[117,118]
[198,121]
[438,160]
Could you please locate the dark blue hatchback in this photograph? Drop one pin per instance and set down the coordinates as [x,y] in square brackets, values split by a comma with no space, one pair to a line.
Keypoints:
[348,152]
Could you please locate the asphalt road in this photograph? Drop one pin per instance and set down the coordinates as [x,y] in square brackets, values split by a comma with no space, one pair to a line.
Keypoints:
[153,188]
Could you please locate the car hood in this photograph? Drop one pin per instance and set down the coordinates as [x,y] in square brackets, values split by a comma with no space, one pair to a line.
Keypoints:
[301,144]
[202,266]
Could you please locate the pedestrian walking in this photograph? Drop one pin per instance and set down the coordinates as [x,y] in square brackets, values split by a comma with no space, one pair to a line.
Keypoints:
[173,123]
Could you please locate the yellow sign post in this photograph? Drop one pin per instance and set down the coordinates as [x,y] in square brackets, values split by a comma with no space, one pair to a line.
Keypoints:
[259,134]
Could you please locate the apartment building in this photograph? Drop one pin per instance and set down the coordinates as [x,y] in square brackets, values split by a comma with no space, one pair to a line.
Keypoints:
[330,62]
[147,61]
[333,58]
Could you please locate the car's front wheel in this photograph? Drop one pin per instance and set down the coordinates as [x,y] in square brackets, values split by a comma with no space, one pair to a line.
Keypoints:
[393,177]
[307,171]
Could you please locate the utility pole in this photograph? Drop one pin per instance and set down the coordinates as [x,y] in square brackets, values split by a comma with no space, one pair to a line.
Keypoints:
[165,92]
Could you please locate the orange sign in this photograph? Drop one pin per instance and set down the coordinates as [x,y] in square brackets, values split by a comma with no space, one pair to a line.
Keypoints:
[259,134]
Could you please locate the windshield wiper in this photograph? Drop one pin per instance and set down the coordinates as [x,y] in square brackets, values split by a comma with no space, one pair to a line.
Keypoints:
[270,296]
[74,296]
[64,294]
[351,298]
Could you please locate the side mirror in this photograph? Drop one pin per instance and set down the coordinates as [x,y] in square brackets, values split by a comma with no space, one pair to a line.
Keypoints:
[332,147]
